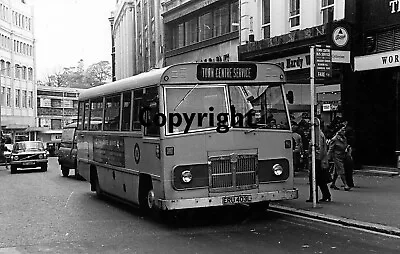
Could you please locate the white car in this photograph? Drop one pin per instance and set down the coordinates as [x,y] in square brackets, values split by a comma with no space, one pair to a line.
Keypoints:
[7,154]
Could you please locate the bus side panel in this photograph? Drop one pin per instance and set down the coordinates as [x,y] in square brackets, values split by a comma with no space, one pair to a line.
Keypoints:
[83,141]
[141,157]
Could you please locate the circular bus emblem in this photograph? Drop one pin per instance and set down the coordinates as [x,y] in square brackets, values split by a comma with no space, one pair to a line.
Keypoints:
[136,153]
[340,36]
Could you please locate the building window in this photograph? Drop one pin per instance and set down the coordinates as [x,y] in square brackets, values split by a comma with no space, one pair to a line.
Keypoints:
[55,124]
[24,72]
[30,98]
[17,98]
[205,26]
[191,29]
[17,71]
[3,91]
[3,67]
[24,99]
[30,74]
[266,19]
[235,16]
[8,66]
[221,20]
[327,8]
[8,97]
[294,14]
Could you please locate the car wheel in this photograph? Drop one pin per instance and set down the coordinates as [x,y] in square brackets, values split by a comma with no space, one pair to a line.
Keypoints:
[44,167]
[13,169]
[64,171]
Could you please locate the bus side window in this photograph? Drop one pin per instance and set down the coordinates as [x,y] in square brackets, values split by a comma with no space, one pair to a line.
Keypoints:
[96,114]
[81,108]
[86,116]
[151,102]
[126,111]
[112,113]
[137,104]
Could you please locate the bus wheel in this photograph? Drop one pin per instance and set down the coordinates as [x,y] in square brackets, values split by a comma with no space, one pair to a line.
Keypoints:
[97,188]
[64,171]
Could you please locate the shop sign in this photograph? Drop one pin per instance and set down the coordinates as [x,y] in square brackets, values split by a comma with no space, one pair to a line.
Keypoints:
[340,36]
[295,62]
[394,6]
[377,61]
[340,56]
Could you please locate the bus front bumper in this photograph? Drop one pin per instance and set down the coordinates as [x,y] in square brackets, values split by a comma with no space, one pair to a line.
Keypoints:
[225,200]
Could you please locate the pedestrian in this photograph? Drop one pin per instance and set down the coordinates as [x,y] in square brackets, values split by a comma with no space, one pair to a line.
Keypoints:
[349,161]
[3,149]
[298,151]
[322,175]
[337,154]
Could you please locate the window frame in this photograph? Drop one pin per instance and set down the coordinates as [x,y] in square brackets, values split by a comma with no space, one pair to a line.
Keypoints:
[294,14]
[325,6]
[265,24]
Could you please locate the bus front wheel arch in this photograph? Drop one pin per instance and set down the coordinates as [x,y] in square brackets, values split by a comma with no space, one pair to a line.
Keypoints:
[94,180]
[146,193]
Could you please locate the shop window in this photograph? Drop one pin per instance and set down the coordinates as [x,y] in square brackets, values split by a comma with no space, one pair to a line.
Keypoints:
[55,124]
[327,9]
[294,14]
[266,19]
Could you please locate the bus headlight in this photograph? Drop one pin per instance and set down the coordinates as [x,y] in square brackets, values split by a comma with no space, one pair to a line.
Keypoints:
[186,176]
[278,170]
[15,158]
[40,156]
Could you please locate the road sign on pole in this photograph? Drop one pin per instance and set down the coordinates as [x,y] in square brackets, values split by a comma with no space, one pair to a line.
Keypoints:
[323,62]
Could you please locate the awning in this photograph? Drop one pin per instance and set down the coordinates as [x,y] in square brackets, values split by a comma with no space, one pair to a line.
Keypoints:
[15,127]
[39,129]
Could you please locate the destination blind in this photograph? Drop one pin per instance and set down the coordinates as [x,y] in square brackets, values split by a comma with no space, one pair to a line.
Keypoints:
[214,72]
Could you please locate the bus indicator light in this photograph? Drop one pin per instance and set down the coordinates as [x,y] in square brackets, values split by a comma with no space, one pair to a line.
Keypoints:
[169,150]
[288,144]
[158,151]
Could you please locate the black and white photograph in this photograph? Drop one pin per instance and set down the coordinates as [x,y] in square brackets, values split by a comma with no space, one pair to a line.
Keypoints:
[199,126]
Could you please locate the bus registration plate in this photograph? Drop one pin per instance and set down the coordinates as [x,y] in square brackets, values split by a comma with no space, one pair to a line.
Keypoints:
[236,199]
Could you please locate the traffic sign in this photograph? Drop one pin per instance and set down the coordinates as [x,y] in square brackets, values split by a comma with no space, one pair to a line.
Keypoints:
[323,62]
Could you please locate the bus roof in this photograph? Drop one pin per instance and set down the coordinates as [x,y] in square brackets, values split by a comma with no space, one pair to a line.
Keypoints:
[187,73]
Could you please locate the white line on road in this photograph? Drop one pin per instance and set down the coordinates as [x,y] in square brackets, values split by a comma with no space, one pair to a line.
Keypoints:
[68,199]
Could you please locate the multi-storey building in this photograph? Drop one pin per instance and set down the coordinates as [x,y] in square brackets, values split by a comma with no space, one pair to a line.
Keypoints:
[137,37]
[283,31]
[17,67]
[56,107]
[201,31]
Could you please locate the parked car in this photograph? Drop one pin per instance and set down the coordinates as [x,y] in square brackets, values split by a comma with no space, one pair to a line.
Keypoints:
[28,154]
[67,151]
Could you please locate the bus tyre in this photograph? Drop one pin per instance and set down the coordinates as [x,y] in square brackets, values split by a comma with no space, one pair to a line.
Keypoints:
[13,169]
[64,171]
[97,188]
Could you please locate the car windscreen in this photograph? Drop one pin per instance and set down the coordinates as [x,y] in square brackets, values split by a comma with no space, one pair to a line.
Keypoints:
[29,146]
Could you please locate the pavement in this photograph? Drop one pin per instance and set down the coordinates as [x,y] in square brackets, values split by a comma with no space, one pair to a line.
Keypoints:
[373,203]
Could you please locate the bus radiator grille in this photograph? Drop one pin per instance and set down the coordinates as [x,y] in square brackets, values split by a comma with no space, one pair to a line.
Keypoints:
[233,172]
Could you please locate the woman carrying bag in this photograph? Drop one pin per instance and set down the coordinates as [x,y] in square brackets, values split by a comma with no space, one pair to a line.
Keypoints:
[322,174]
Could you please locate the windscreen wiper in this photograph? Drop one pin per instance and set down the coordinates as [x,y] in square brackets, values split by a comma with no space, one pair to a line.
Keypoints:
[184,97]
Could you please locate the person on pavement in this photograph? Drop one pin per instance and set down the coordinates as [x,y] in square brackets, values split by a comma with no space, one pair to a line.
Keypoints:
[321,165]
[297,148]
[3,149]
[337,154]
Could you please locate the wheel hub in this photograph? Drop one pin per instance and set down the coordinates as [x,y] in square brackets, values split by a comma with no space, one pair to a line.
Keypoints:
[150,199]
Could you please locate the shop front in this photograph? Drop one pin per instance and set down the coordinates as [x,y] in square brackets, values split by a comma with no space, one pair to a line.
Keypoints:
[377,67]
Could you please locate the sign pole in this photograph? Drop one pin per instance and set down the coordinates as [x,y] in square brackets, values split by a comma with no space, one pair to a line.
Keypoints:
[312,88]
